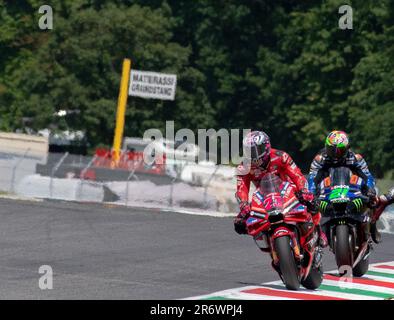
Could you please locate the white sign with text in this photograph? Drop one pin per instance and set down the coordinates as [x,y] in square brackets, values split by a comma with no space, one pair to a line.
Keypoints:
[152,85]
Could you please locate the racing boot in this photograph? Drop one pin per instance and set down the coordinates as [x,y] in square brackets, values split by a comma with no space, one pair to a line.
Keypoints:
[323,242]
[317,259]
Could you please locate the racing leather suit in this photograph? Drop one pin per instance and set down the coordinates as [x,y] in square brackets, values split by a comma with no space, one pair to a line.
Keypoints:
[280,164]
[383,201]
[322,163]
[355,162]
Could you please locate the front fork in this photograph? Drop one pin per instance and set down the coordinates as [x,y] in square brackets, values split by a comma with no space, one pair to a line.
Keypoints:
[359,241]
[284,232]
[352,232]
[314,251]
[310,248]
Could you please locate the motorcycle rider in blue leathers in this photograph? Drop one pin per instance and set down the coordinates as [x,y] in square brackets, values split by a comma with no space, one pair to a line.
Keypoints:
[337,153]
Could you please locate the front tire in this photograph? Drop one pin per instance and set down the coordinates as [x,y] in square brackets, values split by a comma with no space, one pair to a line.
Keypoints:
[343,248]
[287,263]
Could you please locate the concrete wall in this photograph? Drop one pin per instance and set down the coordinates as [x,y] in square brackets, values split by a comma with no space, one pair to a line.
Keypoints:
[17,144]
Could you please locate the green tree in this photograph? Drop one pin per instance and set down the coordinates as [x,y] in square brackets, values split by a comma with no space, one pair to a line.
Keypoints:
[282,66]
[77,66]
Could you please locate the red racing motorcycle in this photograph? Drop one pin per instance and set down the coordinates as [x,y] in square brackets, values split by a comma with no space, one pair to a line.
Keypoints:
[282,226]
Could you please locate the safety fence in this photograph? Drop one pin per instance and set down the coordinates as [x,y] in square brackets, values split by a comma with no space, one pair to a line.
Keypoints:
[202,187]
[66,176]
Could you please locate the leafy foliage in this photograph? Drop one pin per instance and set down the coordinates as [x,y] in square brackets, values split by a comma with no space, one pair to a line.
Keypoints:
[281,66]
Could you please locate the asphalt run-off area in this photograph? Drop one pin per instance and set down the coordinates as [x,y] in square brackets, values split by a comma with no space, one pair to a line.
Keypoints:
[107,252]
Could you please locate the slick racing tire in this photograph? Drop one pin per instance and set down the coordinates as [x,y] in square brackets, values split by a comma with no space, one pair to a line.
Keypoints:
[361,268]
[314,278]
[287,265]
[343,249]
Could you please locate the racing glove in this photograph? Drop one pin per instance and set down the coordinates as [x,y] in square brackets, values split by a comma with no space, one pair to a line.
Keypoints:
[240,226]
[244,210]
[383,201]
[305,196]
[240,220]
[373,199]
[390,196]
[308,199]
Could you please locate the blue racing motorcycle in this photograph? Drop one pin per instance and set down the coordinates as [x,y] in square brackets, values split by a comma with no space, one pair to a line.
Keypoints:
[346,220]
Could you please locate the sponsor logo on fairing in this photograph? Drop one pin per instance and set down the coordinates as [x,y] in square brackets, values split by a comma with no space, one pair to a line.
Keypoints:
[259,195]
[251,220]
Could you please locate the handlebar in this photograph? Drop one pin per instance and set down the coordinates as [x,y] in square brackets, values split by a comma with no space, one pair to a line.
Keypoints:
[364,198]
[369,201]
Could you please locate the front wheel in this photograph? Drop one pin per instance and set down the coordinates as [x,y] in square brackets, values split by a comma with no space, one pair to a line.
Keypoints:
[343,248]
[287,263]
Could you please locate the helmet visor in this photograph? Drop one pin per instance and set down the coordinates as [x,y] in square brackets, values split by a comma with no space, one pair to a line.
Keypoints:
[335,152]
[258,155]
[255,152]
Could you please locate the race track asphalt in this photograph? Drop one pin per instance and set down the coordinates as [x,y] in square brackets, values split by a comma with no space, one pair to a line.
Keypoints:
[106,252]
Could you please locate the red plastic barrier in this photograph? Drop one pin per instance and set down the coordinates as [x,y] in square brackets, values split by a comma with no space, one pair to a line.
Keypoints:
[128,160]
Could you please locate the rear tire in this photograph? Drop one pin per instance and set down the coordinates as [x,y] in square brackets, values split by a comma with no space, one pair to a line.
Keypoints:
[343,248]
[361,268]
[287,263]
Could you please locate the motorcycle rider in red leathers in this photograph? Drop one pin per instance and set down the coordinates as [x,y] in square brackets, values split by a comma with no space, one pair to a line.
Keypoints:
[382,202]
[261,159]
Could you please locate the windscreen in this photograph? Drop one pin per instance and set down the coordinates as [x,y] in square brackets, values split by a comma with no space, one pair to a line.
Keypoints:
[270,183]
[340,176]
[270,186]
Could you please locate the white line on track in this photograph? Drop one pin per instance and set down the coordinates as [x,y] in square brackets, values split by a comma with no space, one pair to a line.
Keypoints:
[279,288]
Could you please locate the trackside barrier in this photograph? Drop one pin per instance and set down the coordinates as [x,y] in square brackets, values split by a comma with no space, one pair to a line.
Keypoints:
[82,176]
[207,185]
[176,178]
[15,167]
[66,176]
[131,175]
[55,168]
[187,185]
